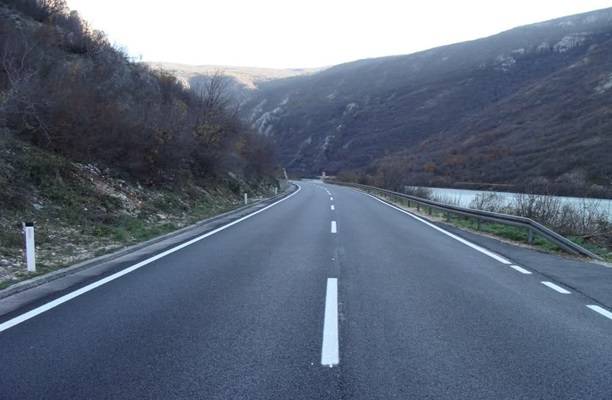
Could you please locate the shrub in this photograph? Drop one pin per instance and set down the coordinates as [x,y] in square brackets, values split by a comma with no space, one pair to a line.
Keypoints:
[488,201]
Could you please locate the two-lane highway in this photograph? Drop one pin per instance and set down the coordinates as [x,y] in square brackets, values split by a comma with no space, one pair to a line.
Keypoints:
[328,294]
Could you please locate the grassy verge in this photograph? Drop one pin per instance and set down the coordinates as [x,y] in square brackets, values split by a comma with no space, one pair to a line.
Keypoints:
[60,245]
[109,236]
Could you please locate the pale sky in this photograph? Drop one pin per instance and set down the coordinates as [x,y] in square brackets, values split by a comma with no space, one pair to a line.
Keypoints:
[306,33]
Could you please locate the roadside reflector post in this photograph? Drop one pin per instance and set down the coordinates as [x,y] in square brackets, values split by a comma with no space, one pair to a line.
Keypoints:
[275,190]
[246,198]
[530,236]
[30,246]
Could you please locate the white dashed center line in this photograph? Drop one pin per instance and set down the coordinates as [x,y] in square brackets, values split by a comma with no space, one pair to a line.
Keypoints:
[520,269]
[329,350]
[556,287]
[601,311]
[334,228]
[332,207]
[331,199]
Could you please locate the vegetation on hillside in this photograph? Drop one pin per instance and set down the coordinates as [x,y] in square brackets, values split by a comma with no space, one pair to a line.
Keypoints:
[65,88]
[81,211]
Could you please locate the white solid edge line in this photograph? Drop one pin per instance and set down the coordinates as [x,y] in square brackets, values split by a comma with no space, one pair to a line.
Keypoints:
[484,251]
[520,269]
[60,300]
[600,310]
[334,228]
[329,349]
[332,207]
[556,288]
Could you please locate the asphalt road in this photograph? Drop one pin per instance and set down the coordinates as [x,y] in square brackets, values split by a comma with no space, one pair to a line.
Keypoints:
[250,313]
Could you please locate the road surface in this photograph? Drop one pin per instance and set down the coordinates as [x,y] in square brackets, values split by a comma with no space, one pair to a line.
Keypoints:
[328,294]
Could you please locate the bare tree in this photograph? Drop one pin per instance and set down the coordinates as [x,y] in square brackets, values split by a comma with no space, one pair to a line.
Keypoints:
[21,72]
[214,93]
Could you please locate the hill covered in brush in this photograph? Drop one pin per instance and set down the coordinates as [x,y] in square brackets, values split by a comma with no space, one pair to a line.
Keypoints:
[64,88]
[100,151]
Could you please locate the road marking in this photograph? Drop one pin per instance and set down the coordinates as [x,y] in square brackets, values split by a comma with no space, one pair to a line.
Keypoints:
[556,287]
[484,251]
[520,269]
[329,350]
[60,300]
[332,207]
[601,311]
[331,199]
[333,227]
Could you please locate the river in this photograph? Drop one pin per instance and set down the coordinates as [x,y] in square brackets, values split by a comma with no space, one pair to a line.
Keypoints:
[463,198]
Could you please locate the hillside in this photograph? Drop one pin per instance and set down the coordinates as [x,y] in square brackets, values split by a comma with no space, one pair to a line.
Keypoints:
[81,211]
[99,151]
[66,89]
[527,106]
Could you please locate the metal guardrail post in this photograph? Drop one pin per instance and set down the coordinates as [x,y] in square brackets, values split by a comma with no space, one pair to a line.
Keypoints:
[530,236]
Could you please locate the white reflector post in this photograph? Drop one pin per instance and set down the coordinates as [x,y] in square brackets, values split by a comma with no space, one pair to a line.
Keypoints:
[30,247]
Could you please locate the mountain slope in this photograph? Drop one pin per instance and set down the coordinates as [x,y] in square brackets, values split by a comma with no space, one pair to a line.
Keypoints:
[479,111]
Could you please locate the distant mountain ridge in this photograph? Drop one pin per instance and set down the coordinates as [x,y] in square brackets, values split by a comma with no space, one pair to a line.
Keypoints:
[241,80]
[529,104]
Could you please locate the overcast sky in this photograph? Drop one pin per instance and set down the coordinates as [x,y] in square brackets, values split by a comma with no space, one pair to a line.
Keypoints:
[306,33]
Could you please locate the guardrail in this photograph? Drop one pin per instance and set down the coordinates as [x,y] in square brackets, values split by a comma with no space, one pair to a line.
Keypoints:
[532,226]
